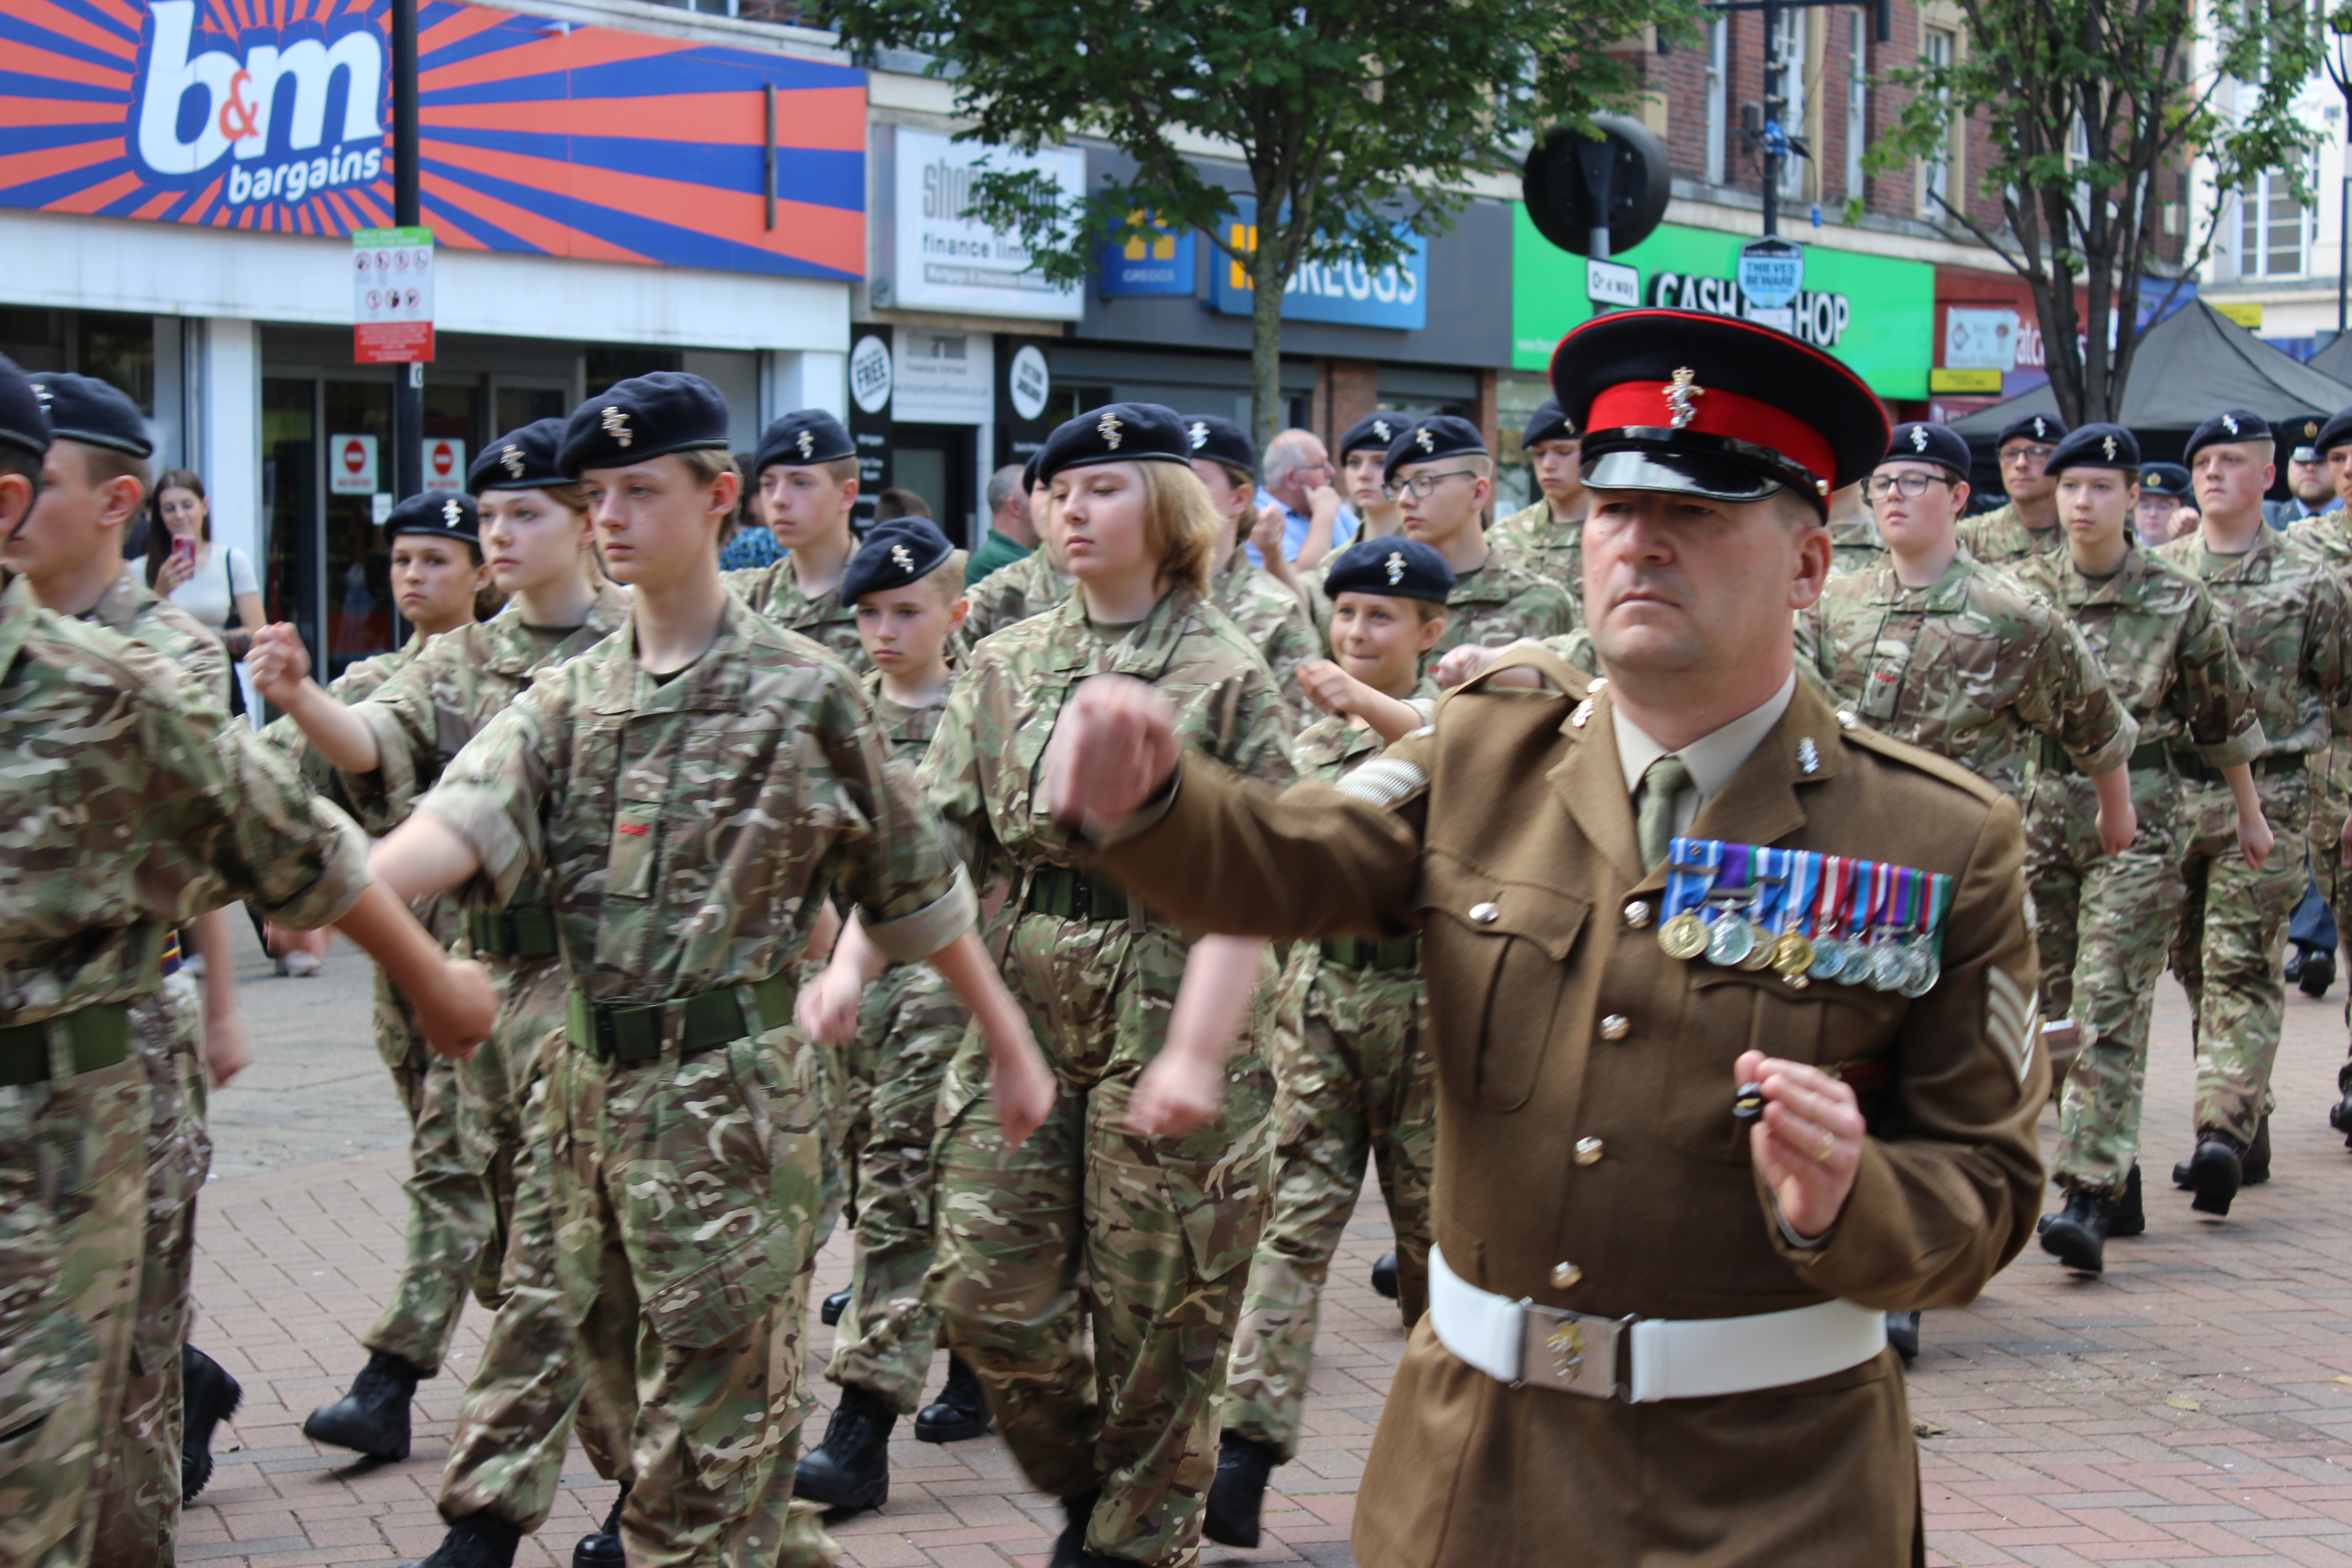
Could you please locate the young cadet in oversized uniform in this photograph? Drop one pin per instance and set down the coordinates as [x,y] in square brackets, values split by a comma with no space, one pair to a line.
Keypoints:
[1547,538]
[2328,829]
[689,790]
[2164,491]
[2104,918]
[1662,1258]
[906,582]
[1268,614]
[132,804]
[1142,1196]
[2026,525]
[1358,1082]
[806,471]
[1440,473]
[68,557]
[2290,619]
[1029,586]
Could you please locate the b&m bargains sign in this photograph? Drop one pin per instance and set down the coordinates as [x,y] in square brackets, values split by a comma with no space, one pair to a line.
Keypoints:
[539,136]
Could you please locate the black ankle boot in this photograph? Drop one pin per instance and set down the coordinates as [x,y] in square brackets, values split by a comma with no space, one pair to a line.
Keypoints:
[210,1396]
[2216,1171]
[1903,1333]
[2256,1168]
[1384,1276]
[373,1419]
[2339,1115]
[1239,1490]
[1070,1546]
[2077,1234]
[829,1314]
[602,1548]
[2318,974]
[2128,1215]
[476,1541]
[959,1412]
[851,1468]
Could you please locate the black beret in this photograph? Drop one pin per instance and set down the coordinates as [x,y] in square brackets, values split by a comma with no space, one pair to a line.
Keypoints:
[1690,402]
[2095,447]
[2304,433]
[2164,480]
[439,513]
[2237,424]
[23,424]
[1379,428]
[1116,433]
[85,409]
[894,554]
[644,417]
[1220,441]
[2336,432]
[2033,428]
[1547,424]
[524,459]
[1395,567]
[1426,440]
[1924,443]
[803,441]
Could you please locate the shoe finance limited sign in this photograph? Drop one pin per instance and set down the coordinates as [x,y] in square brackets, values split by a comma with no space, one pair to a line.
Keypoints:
[539,136]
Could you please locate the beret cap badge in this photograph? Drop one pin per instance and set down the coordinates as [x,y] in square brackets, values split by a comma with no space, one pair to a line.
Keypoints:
[1427,442]
[1108,426]
[2228,423]
[617,425]
[1918,437]
[1395,564]
[511,456]
[807,444]
[2038,429]
[41,392]
[2107,444]
[1682,399]
[452,513]
[1199,434]
[902,558]
[1381,428]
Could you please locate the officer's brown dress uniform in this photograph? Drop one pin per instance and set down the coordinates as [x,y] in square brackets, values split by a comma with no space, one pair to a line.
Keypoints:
[1588,1157]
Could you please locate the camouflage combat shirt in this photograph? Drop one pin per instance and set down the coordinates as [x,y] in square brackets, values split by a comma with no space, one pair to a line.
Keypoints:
[1014,594]
[2289,616]
[1999,538]
[775,593]
[1271,616]
[1554,552]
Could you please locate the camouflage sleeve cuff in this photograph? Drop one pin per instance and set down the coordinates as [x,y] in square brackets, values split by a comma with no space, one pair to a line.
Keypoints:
[393,786]
[911,937]
[341,875]
[2243,747]
[2114,754]
[480,817]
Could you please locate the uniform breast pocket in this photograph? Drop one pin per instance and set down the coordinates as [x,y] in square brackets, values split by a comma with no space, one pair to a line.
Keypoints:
[1728,1012]
[1495,960]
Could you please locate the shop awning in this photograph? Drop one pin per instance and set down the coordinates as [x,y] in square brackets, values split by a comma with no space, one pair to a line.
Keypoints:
[2335,360]
[2191,365]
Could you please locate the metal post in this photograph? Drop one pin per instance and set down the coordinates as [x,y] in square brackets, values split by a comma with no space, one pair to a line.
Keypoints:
[1597,162]
[2343,216]
[1773,156]
[407,212]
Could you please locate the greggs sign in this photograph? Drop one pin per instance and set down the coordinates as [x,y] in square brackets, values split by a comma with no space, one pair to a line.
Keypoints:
[537,136]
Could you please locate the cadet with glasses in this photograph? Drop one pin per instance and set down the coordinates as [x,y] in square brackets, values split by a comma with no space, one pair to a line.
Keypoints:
[2027,524]
[1439,471]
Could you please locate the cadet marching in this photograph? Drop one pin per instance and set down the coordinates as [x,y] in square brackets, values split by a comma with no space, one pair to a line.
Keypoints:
[1655,860]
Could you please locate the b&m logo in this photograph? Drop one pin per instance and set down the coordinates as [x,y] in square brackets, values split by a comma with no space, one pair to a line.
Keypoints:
[277,113]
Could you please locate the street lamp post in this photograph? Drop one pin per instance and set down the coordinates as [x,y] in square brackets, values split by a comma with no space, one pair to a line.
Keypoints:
[2339,71]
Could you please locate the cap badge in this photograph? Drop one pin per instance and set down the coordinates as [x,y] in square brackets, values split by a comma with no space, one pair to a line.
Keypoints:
[511,456]
[1682,398]
[1395,564]
[1200,435]
[1107,427]
[807,446]
[1808,756]
[1425,440]
[1380,429]
[902,558]
[2039,433]
[1918,437]
[41,394]
[2230,423]
[617,425]
[452,514]
[2107,444]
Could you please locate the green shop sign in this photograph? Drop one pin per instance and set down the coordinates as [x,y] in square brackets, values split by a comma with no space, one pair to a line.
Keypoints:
[1877,314]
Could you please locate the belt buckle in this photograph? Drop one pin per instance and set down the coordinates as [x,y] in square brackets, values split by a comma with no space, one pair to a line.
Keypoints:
[1573,1352]
[1082,896]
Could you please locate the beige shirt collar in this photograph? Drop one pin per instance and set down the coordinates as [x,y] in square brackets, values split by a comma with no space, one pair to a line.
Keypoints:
[1712,759]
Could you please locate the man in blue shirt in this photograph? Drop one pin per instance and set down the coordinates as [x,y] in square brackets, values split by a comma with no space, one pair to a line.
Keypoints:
[1297,478]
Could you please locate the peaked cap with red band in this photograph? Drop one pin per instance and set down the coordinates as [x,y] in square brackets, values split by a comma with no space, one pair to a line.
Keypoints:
[1694,404]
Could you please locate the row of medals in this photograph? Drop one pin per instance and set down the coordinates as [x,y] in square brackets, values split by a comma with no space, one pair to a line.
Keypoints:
[1907,966]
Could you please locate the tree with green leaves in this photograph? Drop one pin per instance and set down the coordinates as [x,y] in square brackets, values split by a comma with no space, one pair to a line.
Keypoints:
[1357,125]
[2091,107]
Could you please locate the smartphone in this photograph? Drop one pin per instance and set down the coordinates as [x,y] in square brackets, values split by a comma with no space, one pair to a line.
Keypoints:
[184,550]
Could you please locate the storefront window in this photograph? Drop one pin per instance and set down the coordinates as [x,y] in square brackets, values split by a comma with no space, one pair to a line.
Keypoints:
[116,349]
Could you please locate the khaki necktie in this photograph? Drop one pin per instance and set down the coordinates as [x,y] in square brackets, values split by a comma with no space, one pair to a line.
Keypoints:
[1662,783]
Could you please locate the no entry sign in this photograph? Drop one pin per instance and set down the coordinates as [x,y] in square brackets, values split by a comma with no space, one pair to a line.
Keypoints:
[351,465]
[445,463]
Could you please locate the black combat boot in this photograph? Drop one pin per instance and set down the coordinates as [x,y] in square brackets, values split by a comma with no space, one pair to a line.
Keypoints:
[2318,973]
[1903,1333]
[2216,1171]
[1070,1546]
[602,1548]
[1384,1276]
[834,1305]
[2339,1115]
[373,1419]
[1239,1490]
[2077,1234]
[476,1541]
[2128,1215]
[959,1412]
[2254,1169]
[210,1396]
[851,1468]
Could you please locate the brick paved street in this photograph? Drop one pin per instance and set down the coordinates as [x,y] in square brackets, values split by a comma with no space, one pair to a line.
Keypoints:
[2196,1406]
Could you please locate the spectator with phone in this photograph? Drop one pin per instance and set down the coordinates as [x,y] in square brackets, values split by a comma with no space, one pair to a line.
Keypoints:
[218,585]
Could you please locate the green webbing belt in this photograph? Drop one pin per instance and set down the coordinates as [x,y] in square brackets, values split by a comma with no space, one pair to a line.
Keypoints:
[2149,754]
[2195,769]
[625,1034]
[99,1036]
[1352,953]
[528,931]
[1074,896]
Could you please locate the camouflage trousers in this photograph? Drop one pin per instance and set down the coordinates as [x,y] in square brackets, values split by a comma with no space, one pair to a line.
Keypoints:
[2331,802]
[681,1196]
[2103,922]
[1354,1081]
[2231,944]
[139,1503]
[73,1189]
[886,1094]
[1152,1234]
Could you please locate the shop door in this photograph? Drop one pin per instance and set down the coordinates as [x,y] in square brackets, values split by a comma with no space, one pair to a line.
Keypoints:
[935,462]
[326,454]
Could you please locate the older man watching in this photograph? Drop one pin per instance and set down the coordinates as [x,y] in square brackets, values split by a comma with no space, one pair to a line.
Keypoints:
[1298,481]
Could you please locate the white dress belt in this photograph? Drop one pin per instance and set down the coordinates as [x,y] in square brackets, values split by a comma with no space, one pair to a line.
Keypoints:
[1642,1359]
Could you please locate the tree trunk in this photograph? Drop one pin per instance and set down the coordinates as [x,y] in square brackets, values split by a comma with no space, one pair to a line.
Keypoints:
[1266,283]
